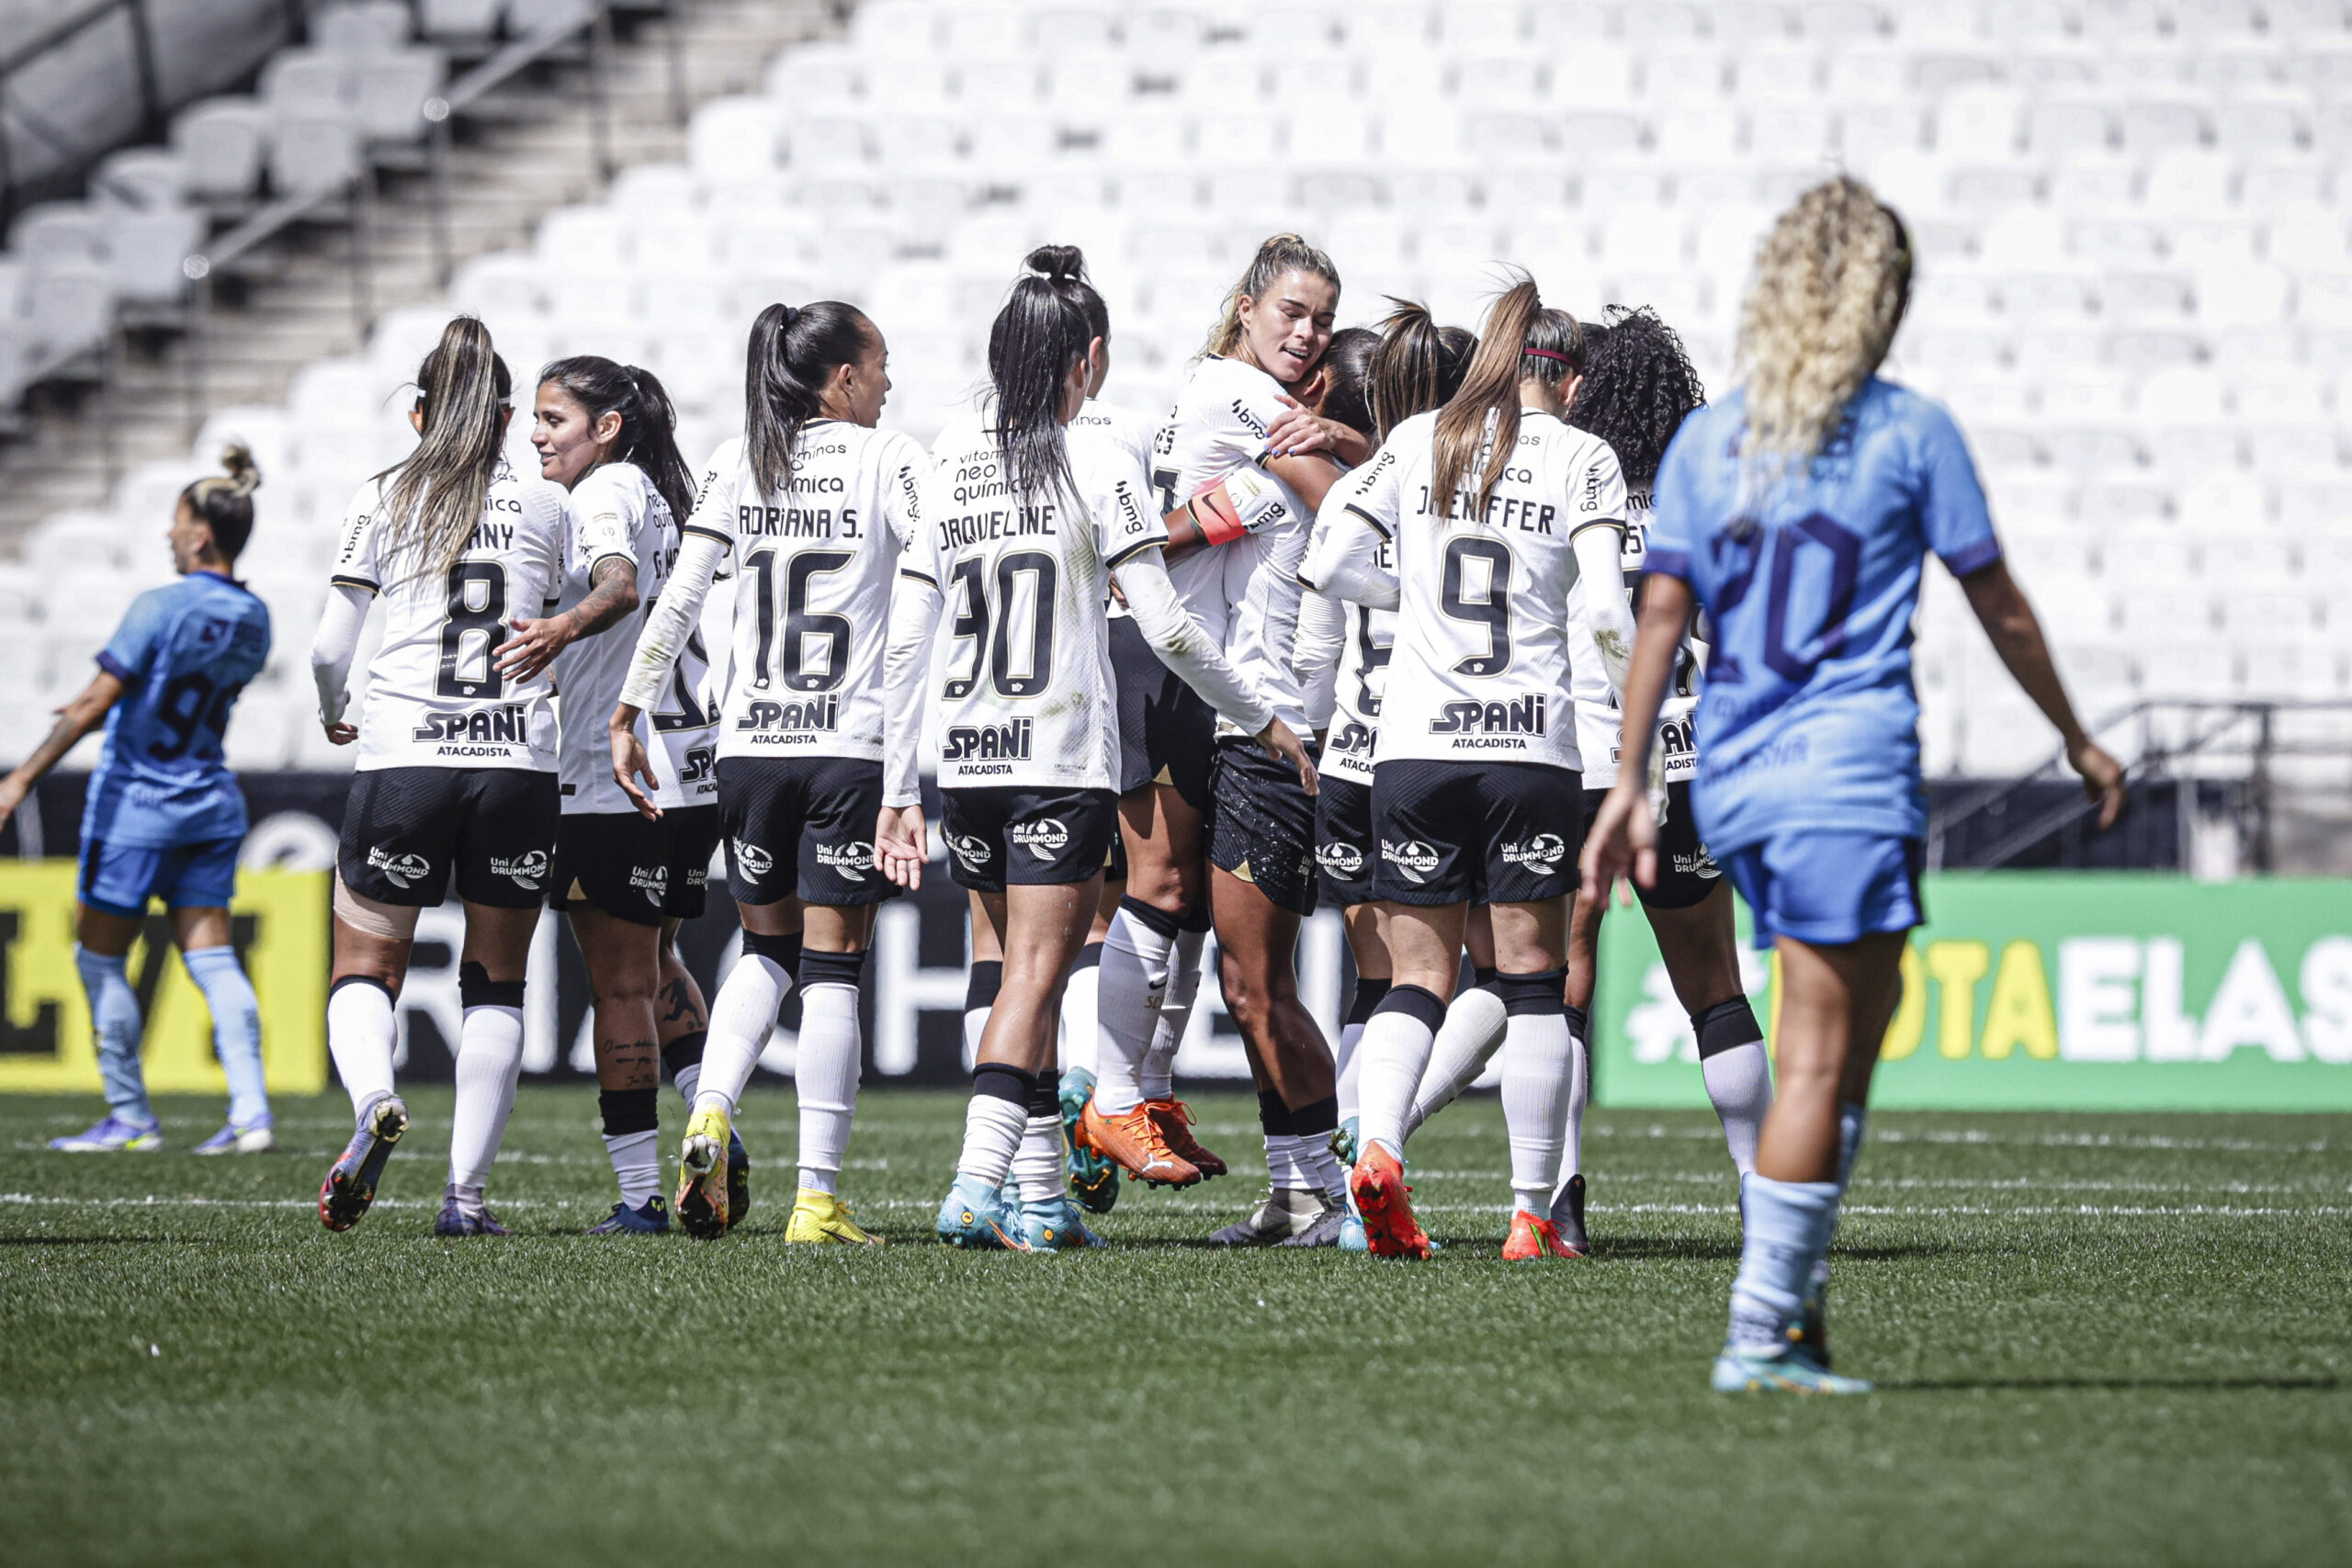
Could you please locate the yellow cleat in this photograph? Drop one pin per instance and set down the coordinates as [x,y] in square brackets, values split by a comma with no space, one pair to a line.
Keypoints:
[819,1217]
[701,1207]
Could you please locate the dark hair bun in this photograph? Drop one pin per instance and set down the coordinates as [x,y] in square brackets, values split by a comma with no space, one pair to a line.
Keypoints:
[1057,263]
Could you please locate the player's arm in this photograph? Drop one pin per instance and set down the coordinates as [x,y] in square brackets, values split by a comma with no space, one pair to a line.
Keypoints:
[331,654]
[77,719]
[1343,561]
[1186,647]
[1300,432]
[901,846]
[1622,840]
[1315,650]
[1599,546]
[611,596]
[667,629]
[2007,617]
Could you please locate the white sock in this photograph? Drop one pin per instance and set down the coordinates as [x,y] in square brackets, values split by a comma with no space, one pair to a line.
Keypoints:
[826,1080]
[1286,1160]
[686,1079]
[1396,1051]
[1081,1014]
[1467,1040]
[993,1128]
[1739,1082]
[1538,1064]
[1321,1165]
[1130,991]
[360,1033]
[1351,1077]
[1852,1120]
[1037,1164]
[742,1016]
[1159,1076]
[1579,1096]
[1789,1227]
[489,1061]
[636,1165]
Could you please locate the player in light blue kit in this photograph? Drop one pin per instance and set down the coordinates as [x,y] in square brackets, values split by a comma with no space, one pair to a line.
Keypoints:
[165,818]
[1798,513]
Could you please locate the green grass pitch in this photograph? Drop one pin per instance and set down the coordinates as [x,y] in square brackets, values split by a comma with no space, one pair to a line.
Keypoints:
[2098,1339]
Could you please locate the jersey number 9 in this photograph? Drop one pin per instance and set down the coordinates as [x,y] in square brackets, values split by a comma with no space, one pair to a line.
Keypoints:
[1476,590]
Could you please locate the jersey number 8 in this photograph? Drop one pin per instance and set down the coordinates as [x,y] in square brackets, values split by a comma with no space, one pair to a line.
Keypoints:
[477,616]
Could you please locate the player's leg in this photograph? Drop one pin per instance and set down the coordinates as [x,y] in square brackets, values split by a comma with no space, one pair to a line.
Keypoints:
[1585,917]
[201,925]
[1425,956]
[1368,947]
[1701,957]
[1539,1067]
[1471,1032]
[107,921]
[680,1014]
[983,977]
[624,964]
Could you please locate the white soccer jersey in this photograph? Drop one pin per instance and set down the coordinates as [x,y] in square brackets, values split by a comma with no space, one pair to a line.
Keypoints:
[435,696]
[1600,730]
[1021,666]
[1480,670]
[812,594]
[686,722]
[965,428]
[1220,421]
[1369,637]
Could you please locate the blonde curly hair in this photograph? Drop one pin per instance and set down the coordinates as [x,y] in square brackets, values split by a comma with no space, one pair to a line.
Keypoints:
[1831,282]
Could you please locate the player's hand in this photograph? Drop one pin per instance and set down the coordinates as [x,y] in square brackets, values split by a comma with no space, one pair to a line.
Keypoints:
[341,734]
[535,645]
[1620,843]
[901,846]
[630,762]
[2102,778]
[1118,592]
[1298,430]
[1282,744]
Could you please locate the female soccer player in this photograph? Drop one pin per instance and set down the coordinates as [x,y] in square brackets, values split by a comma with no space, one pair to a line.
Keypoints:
[1023,530]
[1216,456]
[1494,507]
[164,818]
[457,772]
[815,503]
[1798,514]
[604,432]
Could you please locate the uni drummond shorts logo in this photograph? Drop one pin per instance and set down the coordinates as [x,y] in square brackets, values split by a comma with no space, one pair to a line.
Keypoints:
[752,861]
[1044,838]
[974,852]
[852,861]
[1542,852]
[653,881]
[1700,864]
[401,871]
[527,870]
[1413,859]
[1340,860]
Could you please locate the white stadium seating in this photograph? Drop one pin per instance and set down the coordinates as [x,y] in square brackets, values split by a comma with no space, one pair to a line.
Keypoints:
[2135,274]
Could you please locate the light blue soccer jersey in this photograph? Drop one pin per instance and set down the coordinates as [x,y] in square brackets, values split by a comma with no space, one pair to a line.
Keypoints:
[1809,718]
[183,654]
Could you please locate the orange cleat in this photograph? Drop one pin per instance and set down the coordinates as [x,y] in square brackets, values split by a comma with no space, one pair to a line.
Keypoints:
[1378,1186]
[1175,1122]
[1135,1144]
[1533,1239]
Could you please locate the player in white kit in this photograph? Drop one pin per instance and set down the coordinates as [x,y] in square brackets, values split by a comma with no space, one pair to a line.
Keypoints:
[1494,507]
[1002,622]
[457,772]
[815,503]
[603,431]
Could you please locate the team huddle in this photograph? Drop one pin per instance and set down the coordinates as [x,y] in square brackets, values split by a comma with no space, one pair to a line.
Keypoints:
[1355,626]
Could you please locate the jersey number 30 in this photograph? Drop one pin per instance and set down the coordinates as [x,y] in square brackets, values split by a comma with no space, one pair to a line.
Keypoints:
[1019,665]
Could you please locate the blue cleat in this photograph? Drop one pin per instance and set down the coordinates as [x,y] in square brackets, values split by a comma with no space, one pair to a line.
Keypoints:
[1344,1143]
[255,1138]
[1783,1370]
[113,1135]
[350,1185]
[455,1219]
[973,1216]
[1057,1226]
[1351,1237]
[1093,1179]
[1812,1319]
[649,1218]
[738,1178]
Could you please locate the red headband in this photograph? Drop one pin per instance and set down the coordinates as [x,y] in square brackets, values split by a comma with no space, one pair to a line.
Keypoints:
[1547,354]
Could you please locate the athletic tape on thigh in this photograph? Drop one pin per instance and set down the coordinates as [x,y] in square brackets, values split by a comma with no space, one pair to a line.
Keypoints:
[390,922]
[831,968]
[477,989]
[1539,992]
[1724,1026]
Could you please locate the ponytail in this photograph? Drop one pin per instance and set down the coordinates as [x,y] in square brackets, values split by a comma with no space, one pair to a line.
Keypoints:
[792,353]
[1522,341]
[1039,336]
[1064,266]
[1417,367]
[1278,254]
[437,493]
[1347,377]
[226,505]
[648,433]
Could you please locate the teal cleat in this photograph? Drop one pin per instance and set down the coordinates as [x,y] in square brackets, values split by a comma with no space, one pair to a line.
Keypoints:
[1787,1370]
[1093,1179]
[1057,1226]
[973,1216]
[1344,1143]
[1351,1237]
[1813,1320]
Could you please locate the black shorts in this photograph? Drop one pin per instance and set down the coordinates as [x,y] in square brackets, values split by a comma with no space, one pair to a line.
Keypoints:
[1477,832]
[1167,730]
[693,838]
[1264,828]
[1686,872]
[1344,847]
[813,813]
[636,870]
[1032,837]
[407,832]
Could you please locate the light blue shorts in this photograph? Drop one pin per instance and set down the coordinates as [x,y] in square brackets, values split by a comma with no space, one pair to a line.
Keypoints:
[1827,888]
[119,879]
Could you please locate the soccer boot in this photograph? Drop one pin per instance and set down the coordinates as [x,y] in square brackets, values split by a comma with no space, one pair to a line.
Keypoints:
[649,1218]
[1345,1143]
[1387,1205]
[1568,1218]
[1093,1180]
[820,1217]
[1784,1368]
[1812,1319]
[973,1216]
[1351,1237]
[1135,1143]
[1328,1226]
[738,1179]
[1282,1214]
[1055,1225]
[113,1135]
[255,1139]
[457,1219]
[350,1185]
[1532,1239]
[703,1164]
[1175,1119]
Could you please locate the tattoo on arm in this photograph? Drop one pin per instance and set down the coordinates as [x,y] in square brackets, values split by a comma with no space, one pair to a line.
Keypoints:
[613,596]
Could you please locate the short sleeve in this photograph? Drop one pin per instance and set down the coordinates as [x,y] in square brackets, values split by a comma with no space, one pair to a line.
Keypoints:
[604,514]
[1952,513]
[903,466]
[547,510]
[1673,532]
[714,513]
[355,550]
[127,653]
[1379,499]
[1598,490]
[1124,524]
